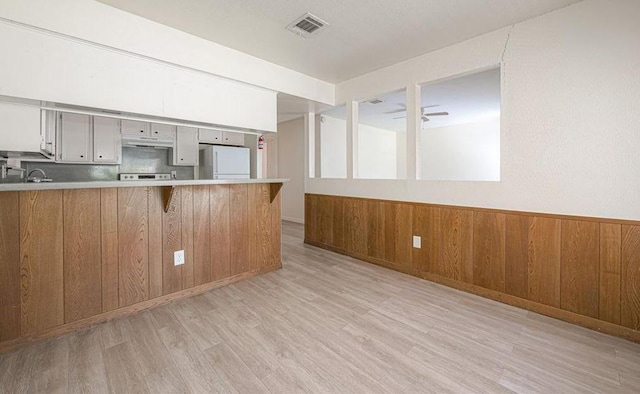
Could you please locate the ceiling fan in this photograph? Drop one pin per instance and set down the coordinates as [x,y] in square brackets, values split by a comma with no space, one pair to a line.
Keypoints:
[424,115]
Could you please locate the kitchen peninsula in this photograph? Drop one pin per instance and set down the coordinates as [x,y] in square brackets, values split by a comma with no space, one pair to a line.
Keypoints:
[73,254]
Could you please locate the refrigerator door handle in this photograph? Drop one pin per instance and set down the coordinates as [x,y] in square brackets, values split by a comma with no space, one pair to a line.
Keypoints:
[215,162]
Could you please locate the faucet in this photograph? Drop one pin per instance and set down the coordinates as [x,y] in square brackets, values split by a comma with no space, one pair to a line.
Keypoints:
[37,179]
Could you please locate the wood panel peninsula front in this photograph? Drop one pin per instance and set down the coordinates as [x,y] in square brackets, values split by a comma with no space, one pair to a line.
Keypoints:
[75,254]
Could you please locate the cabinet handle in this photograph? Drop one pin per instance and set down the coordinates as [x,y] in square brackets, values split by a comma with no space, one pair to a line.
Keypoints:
[181,159]
[81,156]
[101,156]
[142,131]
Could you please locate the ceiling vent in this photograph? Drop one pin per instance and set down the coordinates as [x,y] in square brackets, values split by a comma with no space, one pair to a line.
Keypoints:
[307,25]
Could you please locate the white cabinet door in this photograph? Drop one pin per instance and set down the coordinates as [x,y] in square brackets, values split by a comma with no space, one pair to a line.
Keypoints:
[107,144]
[162,130]
[134,127]
[74,138]
[186,150]
[229,138]
[209,136]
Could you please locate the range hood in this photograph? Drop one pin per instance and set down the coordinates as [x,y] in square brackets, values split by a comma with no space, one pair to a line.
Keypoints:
[140,140]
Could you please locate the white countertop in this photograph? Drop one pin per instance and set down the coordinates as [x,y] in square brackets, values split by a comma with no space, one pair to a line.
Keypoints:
[5,187]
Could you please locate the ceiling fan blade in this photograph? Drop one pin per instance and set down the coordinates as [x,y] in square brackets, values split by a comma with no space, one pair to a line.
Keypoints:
[395,112]
[399,117]
[424,118]
[437,114]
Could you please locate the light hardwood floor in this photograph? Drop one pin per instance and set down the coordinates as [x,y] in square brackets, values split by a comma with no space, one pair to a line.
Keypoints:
[328,323]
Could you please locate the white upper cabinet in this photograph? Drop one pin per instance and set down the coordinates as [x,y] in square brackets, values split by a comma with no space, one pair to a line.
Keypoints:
[19,127]
[107,145]
[134,127]
[162,130]
[185,152]
[229,138]
[208,136]
[75,138]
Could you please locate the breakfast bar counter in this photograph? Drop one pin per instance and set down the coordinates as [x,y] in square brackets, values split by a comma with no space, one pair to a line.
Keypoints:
[79,253]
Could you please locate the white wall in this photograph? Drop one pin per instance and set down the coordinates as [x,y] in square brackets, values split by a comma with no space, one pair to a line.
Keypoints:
[464,152]
[569,122]
[333,148]
[401,155]
[99,24]
[376,153]
[291,165]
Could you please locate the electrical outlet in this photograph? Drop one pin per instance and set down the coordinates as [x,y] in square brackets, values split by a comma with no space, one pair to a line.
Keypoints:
[178,257]
[174,174]
[417,242]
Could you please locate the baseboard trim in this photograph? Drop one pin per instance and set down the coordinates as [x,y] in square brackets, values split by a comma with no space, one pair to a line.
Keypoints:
[57,331]
[557,313]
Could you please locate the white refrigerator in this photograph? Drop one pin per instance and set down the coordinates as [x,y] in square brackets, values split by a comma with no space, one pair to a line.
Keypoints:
[224,162]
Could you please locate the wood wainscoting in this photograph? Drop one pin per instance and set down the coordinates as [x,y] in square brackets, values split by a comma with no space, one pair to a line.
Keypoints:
[579,269]
[71,258]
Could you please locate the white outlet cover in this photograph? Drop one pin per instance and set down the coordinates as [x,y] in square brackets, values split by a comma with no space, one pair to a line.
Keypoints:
[417,242]
[178,257]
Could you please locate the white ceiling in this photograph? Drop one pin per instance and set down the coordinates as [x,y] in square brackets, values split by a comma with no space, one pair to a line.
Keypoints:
[467,99]
[363,36]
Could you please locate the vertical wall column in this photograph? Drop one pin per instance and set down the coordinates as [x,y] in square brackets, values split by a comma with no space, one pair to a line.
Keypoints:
[310,145]
[352,139]
[414,125]
[318,148]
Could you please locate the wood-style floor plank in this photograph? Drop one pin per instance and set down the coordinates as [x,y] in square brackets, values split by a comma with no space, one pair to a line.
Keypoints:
[332,324]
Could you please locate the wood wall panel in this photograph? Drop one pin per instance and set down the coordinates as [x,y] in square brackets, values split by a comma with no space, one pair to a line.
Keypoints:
[420,226]
[276,230]
[254,208]
[220,237]
[239,228]
[82,254]
[324,220]
[9,265]
[456,247]
[630,289]
[489,250]
[41,261]
[265,231]
[133,245]
[390,213]
[172,242]
[355,217]
[374,212]
[187,213]
[577,269]
[156,241]
[311,212]
[580,265]
[544,260]
[516,260]
[109,246]
[71,258]
[339,229]
[609,291]
[201,235]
